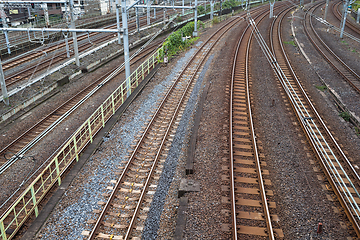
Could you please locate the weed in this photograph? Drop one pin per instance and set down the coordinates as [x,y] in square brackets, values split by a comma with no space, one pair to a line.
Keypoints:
[344,42]
[215,20]
[291,43]
[322,87]
[357,130]
[345,115]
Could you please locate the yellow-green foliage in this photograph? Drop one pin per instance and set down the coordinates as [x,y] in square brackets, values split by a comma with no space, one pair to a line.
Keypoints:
[174,44]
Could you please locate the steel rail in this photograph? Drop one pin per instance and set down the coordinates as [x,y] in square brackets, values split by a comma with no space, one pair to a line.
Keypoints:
[317,47]
[354,172]
[95,87]
[60,56]
[328,165]
[349,24]
[4,167]
[132,157]
[328,48]
[270,230]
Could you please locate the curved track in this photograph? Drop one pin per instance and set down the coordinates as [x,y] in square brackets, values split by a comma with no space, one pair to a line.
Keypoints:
[338,169]
[349,74]
[124,214]
[353,26]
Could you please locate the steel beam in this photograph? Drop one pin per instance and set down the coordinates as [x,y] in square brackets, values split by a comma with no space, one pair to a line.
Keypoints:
[64,30]
[159,6]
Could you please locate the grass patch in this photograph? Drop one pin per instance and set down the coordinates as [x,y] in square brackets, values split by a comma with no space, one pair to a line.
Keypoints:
[345,115]
[215,20]
[291,43]
[322,87]
[344,42]
[357,131]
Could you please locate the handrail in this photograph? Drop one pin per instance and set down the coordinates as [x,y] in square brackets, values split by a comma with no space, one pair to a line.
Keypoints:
[27,203]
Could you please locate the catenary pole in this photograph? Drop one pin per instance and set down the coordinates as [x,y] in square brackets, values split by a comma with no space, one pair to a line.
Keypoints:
[126,45]
[76,50]
[3,86]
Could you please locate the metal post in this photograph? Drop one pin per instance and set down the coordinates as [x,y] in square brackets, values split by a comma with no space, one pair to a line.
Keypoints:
[4,22]
[301,2]
[220,7]
[67,45]
[164,15]
[126,45]
[154,13]
[76,50]
[46,14]
[29,13]
[271,9]
[343,21]
[183,10]
[148,11]
[118,20]
[137,19]
[195,20]
[3,86]
[212,9]
[326,9]
[358,16]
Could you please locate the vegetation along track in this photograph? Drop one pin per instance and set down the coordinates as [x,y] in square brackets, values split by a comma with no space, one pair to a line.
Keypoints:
[253,212]
[352,77]
[124,214]
[339,171]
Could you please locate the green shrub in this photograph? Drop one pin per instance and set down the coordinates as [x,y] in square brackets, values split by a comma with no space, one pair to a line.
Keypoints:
[174,44]
[201,10]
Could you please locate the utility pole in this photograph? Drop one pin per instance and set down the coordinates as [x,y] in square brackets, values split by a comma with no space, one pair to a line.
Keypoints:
[148,11]
[137,19]
[358,16]
[195,21]
[46,14]
[212,9]
[271,9]
[183,10]
[343,21]
[76,50]
[4,22]
[126,46]
[3,86]
[326,9]
[118,20]
[220,7]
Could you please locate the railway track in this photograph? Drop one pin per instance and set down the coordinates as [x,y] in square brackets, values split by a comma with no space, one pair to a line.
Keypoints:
[349,74]
[13,151]
[353,26]
[339,171]
[59,53]
[253,207]
[124,213]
